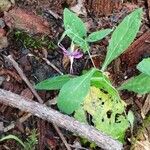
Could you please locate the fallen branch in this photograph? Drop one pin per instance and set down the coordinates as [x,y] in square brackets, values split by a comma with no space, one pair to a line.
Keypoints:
[64,121]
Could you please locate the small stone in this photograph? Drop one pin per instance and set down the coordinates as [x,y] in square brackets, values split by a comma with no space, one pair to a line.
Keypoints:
[2,24]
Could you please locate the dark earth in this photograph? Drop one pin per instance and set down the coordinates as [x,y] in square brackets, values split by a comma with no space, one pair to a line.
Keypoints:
[30,30]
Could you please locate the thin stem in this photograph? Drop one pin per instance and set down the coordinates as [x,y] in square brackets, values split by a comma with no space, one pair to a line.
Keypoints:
[91,59]
[72,48]
[71,64]
[103,67]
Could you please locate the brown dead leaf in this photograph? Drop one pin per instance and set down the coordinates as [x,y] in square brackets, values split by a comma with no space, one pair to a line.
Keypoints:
[130,6]
[28,21]
[142,145]
[12,86]
[51,142]
[2,32]
[26,93]
[79,8]
[11,73]
[65,61]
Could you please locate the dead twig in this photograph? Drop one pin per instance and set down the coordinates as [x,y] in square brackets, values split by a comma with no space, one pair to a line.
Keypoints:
[20,72]
[64,121]
[48,63]
[53,66]
[56,16]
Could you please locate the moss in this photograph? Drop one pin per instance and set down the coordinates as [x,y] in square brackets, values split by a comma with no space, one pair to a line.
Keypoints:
[33,41]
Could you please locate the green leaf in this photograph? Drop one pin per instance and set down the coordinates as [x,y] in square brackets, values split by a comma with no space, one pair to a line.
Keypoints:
[144,66]
[99,104]
[98,35]
[123,36]
[73,23]
[116,130]
[8,137]
[54,83]
[75,29]
[139,84]
[73,93]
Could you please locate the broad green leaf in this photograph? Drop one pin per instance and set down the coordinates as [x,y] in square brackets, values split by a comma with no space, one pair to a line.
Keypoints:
[75,29]
[98,35]
[108,115]
[139,84]
[144,66]
[9,137]
[116,130]
[73,23]
[72,94]
[54,83]
[123,36]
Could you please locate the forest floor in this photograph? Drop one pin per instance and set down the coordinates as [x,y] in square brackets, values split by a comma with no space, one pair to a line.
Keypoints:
[30,31]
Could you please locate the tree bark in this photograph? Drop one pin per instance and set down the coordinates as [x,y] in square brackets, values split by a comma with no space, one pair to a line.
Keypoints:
[64,121]
[102,7]
[139,49]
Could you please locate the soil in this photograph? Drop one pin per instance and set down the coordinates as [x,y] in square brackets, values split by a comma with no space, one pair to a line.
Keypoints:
[29,31]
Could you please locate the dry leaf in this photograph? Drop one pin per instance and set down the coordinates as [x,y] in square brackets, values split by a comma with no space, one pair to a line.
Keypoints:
[26,93]
[24,20]
[79,8]
[142,145]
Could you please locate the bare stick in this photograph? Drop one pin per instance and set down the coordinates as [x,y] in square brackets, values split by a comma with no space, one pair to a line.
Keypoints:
[48,63]
[53,66]
[20,72]
[62,137]
[64,121]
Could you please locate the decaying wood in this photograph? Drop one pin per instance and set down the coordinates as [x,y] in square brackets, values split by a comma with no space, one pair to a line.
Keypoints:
[138,50]
[64,121]
[102,7]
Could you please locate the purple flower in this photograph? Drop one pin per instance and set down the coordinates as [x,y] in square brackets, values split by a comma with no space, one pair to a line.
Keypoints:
[75,54]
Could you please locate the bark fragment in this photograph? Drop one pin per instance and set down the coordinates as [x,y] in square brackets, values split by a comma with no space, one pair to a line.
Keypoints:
[138,50]
[102,7]
[28,21]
